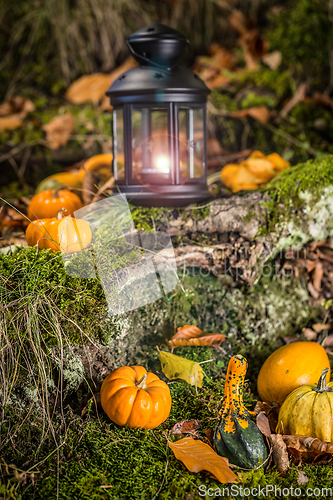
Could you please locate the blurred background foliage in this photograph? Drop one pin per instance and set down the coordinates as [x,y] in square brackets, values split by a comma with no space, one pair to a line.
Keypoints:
[46,45]
[49,43]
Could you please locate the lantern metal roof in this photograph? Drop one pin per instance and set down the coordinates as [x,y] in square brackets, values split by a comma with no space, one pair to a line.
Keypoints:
[158,49]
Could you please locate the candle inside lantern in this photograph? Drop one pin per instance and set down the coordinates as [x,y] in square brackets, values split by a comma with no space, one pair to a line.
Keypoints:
[163,163]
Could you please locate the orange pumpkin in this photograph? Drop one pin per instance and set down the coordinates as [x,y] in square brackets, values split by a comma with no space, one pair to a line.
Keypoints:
[47,203]
[289,367]
[133,397]
[68,235]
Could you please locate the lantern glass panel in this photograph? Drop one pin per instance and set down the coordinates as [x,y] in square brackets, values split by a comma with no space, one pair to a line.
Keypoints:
[191,142]
[150,145]
[118,145]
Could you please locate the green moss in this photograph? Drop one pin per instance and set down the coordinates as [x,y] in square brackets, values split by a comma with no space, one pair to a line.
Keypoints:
[307,186]
[302,32]
[36,280]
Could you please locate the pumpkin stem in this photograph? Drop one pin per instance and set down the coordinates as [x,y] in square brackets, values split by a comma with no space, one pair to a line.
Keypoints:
[322,385]
[142,382]
[60,213]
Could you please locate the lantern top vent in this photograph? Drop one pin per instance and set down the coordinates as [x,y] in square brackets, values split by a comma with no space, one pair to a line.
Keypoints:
[157,45]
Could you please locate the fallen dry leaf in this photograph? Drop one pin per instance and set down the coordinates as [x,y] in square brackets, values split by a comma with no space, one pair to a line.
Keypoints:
[298,97]
[13,112]
[175,367]
[309,334]
[318,275]
[58,130]
[186,427]
[323,99]
[198,456]
[215,339]
[328,342]
[92,88]
[319,327]
[315,294]
[259,113]
[237,21]
[307,444]
[272,59]
[263,424]
[187,332]
[280,453]
[271,411]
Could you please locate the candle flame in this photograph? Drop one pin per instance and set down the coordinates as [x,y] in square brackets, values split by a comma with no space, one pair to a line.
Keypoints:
[163,163]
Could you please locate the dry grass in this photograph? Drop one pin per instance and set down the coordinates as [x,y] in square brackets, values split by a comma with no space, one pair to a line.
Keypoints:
[53,42]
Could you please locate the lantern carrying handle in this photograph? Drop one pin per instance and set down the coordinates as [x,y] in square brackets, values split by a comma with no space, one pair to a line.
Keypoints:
[145,59]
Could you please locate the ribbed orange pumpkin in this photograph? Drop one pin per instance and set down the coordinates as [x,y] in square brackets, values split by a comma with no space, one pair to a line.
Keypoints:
[68,235]
[47,203]
[133,397]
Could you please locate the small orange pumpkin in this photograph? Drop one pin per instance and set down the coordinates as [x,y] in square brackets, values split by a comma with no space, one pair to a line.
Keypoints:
[47,203]
[68,235]
[133,397]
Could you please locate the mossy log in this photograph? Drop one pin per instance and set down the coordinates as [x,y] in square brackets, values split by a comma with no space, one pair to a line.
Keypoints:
[239,233]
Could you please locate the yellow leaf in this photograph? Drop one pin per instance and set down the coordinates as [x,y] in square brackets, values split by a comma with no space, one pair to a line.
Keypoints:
[175,367]
[92,88]
[198,456]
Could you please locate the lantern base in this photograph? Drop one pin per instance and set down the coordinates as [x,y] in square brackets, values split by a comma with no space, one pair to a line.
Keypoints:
[165,196]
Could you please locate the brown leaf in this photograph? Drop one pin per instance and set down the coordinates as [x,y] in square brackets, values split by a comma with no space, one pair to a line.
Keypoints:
[263,424]
[290,340]
[279,452]
[218,82]
[214,147]
[92,88]
[306,444]
[254,44]
[198,456]
[309,334]
[313,291]
[251,63]
[271,411]
[187,332]
[259,113]
[325,254]
[310,265]
[328,342]
[298,97]
[237,21]
[13,112]
[319,327]
[323,99]
[318,276]
[272,59]
[186,427]
[209,433]
[58,130]
[215,339]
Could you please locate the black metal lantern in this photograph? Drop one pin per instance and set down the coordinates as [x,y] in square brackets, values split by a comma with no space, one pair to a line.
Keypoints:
[159,124]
